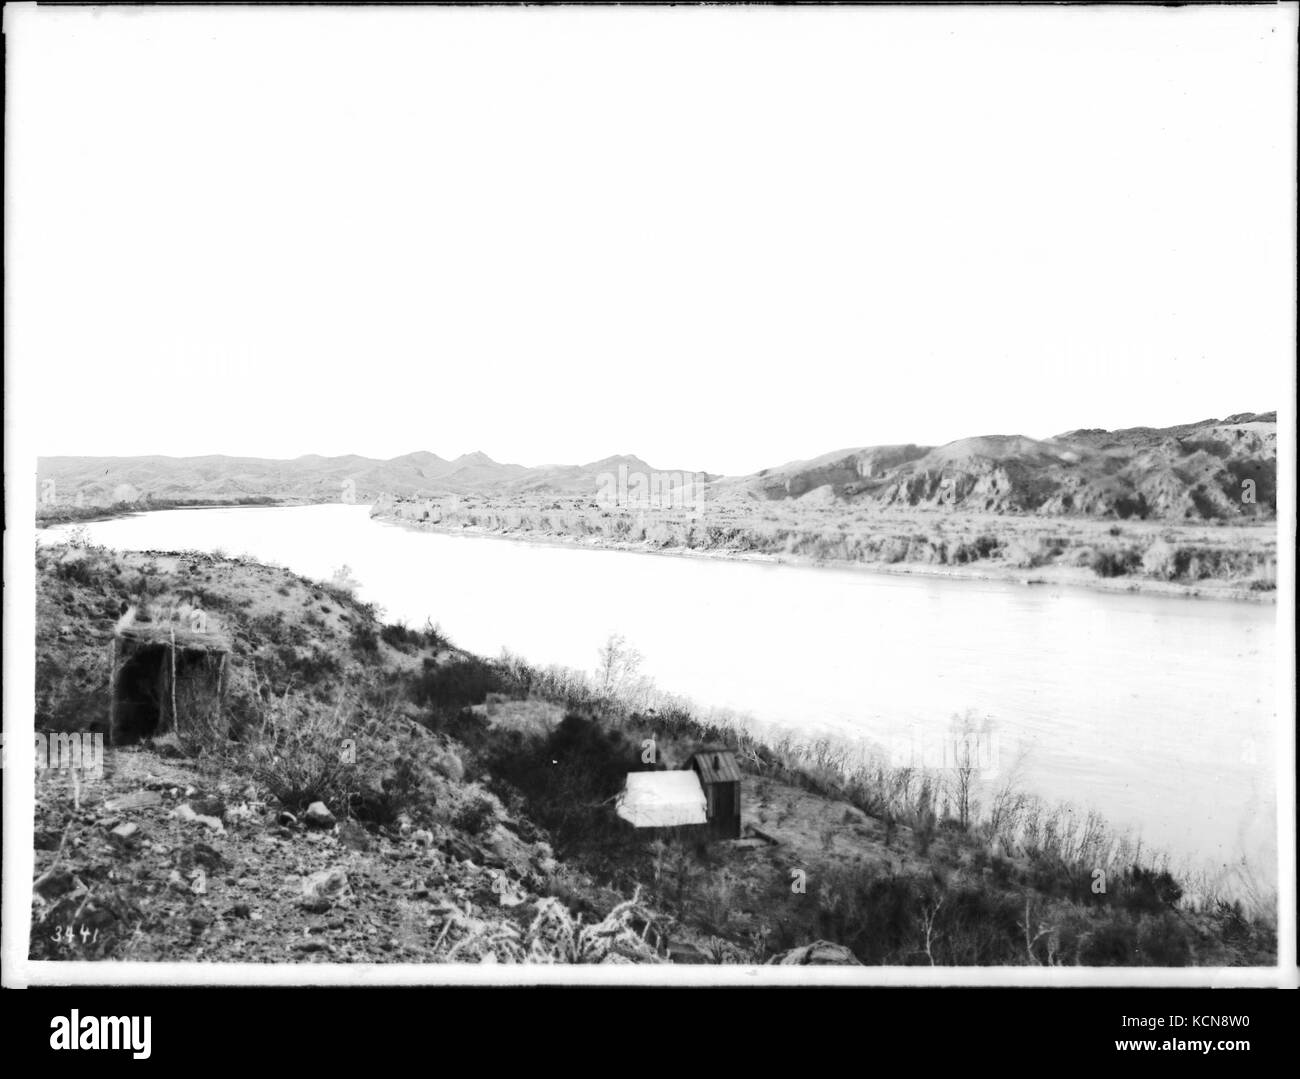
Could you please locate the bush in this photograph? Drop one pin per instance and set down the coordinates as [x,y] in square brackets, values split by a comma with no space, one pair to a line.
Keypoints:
[404,775]
[456,685]
[400,636]
[1160,560]
[1164,942]
[477,814]
[1148,891]
[1114,562]
[568,777]
[365,641]
[300,758]
[1111,944]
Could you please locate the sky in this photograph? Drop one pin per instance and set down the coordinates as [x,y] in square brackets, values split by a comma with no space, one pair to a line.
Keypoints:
[717,238]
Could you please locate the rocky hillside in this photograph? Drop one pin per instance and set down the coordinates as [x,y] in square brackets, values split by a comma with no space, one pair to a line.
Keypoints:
[1198,471]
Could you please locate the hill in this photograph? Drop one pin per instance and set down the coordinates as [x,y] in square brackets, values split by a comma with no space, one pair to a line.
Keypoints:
[1197,471]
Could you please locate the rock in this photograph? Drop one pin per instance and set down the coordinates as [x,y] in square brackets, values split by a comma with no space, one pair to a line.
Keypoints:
[210,807]
[507,894]
[186,812]
[310,946]
[56,884]
[505,850]
[422,838]
[202,855]
[354,836]
[144,799]
[286,819]
[48,840]
[819,953]
[125,831]
[319,816]
[327,885]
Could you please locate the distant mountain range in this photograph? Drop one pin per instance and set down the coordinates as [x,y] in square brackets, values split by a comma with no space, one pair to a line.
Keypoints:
[1196,470]
[103,481]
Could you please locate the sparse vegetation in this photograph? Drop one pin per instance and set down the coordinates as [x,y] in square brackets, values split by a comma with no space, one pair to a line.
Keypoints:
[391,729]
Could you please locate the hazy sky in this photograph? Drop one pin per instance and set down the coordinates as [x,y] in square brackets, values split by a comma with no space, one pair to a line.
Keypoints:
[717,238]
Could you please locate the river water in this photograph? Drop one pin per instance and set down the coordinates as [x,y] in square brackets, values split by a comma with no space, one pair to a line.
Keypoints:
[1158,712]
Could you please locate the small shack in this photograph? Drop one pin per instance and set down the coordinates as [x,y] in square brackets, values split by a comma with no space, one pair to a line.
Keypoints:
[168,672]
[704,792]
[662,800]
[719,776]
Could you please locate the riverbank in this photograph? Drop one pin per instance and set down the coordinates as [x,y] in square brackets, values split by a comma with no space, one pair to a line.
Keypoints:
[48,516]
[1255,590]
[475,819]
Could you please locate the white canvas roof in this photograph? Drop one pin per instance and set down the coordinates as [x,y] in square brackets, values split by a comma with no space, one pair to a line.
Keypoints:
[662,799]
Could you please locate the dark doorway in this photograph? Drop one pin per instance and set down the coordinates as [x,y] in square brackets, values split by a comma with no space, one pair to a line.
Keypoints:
[141,690]
[160,688]
[726,815]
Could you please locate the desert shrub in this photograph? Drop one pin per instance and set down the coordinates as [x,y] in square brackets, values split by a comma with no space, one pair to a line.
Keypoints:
[1025,553]
[568,777]
[1103,941]
[456,685]
[270,628]
[299,753]
[1160,561]
[1141,890]
[1114,562]
[407,782]
[314,666]
[970,550]
[1164,941]
[400,636]
[477,813]
[76,571]
[71,700]
[976,926]
[413,774]
[364,640]
[446,762]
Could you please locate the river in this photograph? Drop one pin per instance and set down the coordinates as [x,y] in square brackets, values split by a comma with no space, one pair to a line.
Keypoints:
[1159,712]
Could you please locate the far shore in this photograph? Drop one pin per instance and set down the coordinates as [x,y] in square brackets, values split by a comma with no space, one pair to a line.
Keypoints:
[1050,575]
[113,513]
[1056,576]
